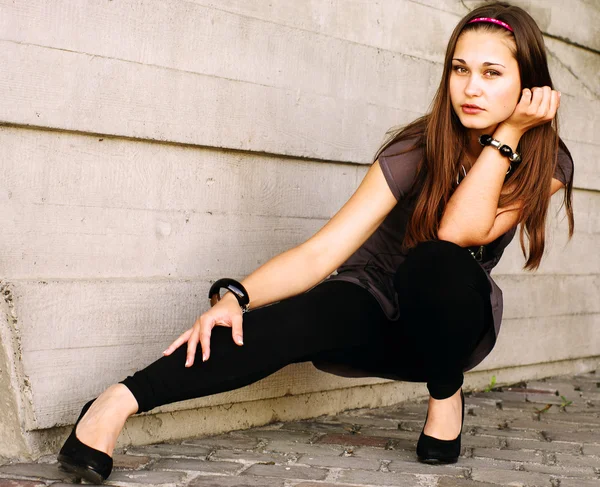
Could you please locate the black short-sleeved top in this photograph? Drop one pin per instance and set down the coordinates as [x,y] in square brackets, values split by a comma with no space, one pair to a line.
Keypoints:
[374,264]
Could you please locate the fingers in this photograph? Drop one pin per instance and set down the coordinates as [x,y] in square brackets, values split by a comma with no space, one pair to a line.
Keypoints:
[236,329]
[201,333]
[526,97]
[554,104]
[177,343]
[537,97]
[543,104]
[204,334]
[192,345]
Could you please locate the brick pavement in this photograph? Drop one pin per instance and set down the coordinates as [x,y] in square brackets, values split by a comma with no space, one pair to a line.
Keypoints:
[523,435]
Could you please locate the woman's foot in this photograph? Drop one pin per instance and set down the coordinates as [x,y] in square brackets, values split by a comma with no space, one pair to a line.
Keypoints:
[102,423]
[444,418]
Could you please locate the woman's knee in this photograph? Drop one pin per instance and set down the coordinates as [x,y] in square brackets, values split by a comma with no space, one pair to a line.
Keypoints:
[439,267]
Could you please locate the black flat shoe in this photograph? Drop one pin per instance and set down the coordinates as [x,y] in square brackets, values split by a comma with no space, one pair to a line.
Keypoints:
[84,461]
[433,451]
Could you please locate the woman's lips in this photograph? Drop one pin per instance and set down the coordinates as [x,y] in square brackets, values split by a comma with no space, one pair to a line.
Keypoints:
[471,109]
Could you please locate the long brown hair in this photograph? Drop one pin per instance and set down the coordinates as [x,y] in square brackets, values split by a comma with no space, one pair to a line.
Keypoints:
[443,139]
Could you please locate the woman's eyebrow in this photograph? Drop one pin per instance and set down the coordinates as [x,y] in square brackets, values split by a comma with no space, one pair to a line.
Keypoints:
[487,63]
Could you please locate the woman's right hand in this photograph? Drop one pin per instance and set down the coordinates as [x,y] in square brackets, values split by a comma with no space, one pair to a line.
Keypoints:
[226,312]
[536,107]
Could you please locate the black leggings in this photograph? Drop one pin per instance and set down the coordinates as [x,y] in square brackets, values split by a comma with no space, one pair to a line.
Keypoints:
[444,311]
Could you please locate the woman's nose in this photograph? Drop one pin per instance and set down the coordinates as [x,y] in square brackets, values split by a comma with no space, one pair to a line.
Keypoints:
[473,86]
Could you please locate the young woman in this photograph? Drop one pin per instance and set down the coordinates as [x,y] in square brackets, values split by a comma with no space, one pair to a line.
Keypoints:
[413,298]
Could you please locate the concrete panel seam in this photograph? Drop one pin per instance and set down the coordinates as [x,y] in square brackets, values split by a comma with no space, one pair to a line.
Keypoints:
[312,32]
[92,56]
[149,140]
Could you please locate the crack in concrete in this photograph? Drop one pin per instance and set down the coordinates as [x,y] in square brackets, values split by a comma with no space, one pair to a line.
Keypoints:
[566,40]
[570,70]
[16,379]
[17,352]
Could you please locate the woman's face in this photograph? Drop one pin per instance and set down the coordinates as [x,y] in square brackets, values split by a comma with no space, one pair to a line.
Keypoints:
[485,84]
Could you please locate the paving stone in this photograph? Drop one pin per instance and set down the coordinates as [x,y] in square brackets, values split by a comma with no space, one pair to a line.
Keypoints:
[241,442]
[507,433]
[249,456]
[531,472]
[186,464]
[495,418]
[397,453]
[578,483]
[409,411]
[353,440]
[510,455]
[478,463]
[340,462]
[590,437]
[130,461]
[471,441]
[553,446]
[577,460]
[287,447]
[35,470]
[320,484]
[414,467]
[455,482]
[20,483]
[512,477]
[146,478]
[287,472]
[521,397]
[365,477]
[560,470]
[591,450]
[171,450]
[282,435]
[313,426]
[555,426]
[374,422]
[219,481]
[592,420]
[410,432]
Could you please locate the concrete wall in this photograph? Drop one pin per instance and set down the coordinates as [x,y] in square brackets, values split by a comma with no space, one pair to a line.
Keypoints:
[149,147]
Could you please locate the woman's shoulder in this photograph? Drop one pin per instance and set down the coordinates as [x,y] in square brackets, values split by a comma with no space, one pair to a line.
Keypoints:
[406,148]
[399,161]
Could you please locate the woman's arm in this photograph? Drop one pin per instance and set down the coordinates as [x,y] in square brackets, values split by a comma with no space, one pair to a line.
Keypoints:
[471,211]
[304,266]
[300,268]
[470,217]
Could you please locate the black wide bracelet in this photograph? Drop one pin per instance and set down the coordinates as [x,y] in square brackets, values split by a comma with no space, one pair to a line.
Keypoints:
[236,289]
[504,149]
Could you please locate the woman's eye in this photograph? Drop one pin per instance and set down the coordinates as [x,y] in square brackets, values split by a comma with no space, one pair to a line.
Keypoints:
[459,69]
[491,73]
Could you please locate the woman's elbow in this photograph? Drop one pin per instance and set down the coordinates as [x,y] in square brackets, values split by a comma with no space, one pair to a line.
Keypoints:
[461,237]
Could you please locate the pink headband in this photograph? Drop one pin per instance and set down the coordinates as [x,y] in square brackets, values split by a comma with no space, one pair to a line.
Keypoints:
[493,21]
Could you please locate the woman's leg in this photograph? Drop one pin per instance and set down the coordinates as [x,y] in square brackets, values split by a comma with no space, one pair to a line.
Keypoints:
[332,316]
[444,299]
[444,311]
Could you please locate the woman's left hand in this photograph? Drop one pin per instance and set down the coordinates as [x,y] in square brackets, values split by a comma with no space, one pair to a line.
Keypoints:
[536,107]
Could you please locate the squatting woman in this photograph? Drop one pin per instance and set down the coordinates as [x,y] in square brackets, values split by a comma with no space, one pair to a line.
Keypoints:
[413,247]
